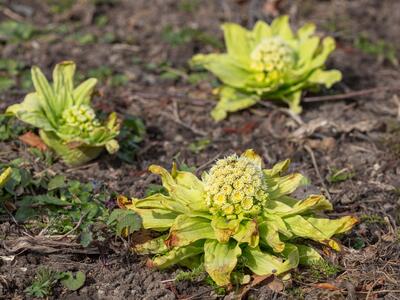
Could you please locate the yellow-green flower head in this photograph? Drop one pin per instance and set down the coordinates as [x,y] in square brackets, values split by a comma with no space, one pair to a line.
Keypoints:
[81,116]
[235,186]
[273,55]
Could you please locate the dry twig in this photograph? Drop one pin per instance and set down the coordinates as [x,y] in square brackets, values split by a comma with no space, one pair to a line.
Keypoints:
[349,94]
[175,117]
[314,162]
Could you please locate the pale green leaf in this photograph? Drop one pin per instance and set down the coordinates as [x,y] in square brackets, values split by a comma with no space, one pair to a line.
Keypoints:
[63,85]
[293,100]
[30,111]
[262,263]
[332,227]
[327,78]
[159,201]
[248,233]
[278,223]
[269,234]
[154,246]
[56,182]
[83,93]
[186,230]
[261,30]
[306,31]
[228,69]
[278,168]
[302,228]
[236,40]
[308,255]
[45,95]
[176,255]
[284,185]
[71,156]
[63,76]
[224,228]
[232,100]
[280,27]
[182,194]
[156,219]
[220,259]
[311,204]
[307,49]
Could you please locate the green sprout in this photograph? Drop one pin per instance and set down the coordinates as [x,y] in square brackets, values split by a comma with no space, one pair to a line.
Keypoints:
[268,62]
[238,215]
[43,284]
[66,121]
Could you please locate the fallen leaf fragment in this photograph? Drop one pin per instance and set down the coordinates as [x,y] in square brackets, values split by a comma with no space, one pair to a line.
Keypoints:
[33,140]
[326,286]
[256,281]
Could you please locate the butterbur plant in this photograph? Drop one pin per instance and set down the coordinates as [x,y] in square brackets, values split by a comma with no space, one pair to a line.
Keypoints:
[268,62]
[237,214]
[66,121]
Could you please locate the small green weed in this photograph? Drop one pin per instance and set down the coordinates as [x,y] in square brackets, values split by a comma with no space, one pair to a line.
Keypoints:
[372,219]
[11,128]
[199,145]
[188,6]
[58,7]
[106,75]
[187,35]
[380,48]
[16,32]
[56,203]
[339,175]
[131,134]
[219,290]
[10,69]
[295,293]
[322,270]
[42,285]
[358,243]
[46,279]
[192,275]
[155,189]
[83,38]
[125,221]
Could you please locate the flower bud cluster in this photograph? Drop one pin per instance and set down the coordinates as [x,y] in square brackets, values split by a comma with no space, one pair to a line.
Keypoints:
[235,187]
[81,116]
[272,56]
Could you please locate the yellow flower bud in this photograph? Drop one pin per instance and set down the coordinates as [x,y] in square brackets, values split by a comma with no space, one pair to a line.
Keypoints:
[232,185]
[247,203]
[81,116]
[237,196]
[219,199]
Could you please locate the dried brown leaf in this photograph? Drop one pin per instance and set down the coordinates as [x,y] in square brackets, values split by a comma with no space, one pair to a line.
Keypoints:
[33,140]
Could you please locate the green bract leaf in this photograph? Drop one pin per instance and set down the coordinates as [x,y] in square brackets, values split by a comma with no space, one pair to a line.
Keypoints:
[64,117]
[237,212]
[268,62]
[262,263]
[220,259]
[178,254]
[187,230]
